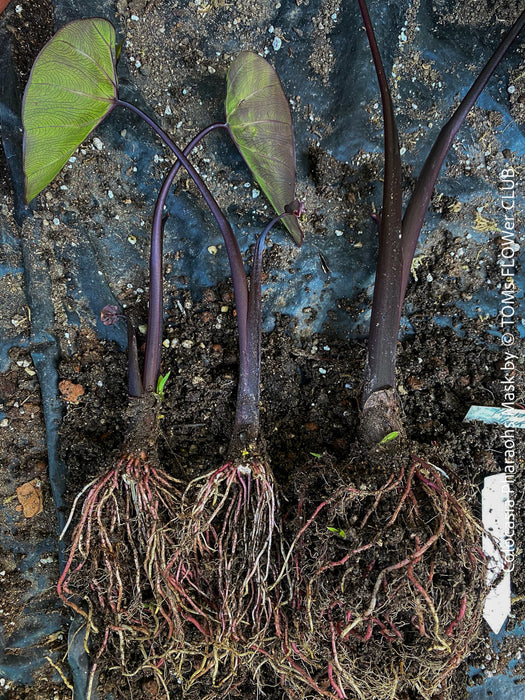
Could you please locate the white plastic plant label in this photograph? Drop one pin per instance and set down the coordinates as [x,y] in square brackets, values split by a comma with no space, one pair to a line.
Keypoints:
[496,512]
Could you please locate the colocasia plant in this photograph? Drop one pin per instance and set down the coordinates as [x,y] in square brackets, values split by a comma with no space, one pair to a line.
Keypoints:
[224,564]
[388,580]
[172,579]
[113,574]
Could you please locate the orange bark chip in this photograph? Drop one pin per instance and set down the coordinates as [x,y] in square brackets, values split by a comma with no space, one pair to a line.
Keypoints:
[30,498]
[70,392]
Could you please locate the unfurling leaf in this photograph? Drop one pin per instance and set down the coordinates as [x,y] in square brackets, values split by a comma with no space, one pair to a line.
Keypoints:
[260,122]
[71,88]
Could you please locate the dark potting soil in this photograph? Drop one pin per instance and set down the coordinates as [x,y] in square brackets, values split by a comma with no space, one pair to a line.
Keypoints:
[310,398]
[449,358]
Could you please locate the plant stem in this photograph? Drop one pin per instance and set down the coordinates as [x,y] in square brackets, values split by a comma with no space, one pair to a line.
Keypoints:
[248,304]
[420,199]
[246,426]
[398,237]
[135,385]
[240,285]
[386,304]
[154,333]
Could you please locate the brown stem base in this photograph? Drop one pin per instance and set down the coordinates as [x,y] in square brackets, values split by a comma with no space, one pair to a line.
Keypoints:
[381,415]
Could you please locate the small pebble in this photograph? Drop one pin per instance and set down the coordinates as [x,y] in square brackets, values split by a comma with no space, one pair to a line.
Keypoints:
[98,143]
[322,370]
[277,43]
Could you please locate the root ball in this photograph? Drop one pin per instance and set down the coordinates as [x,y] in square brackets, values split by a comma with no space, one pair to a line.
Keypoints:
[387,587]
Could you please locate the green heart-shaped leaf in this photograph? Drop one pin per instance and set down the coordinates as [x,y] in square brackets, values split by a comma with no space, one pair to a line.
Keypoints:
[71,88]
[260,122]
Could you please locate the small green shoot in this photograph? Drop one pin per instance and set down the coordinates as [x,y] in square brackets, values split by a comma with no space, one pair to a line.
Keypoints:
[161,383]
[391,436]
[337,531]
[316,454]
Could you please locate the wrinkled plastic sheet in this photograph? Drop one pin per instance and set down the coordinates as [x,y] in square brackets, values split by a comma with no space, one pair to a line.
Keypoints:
[339,103]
